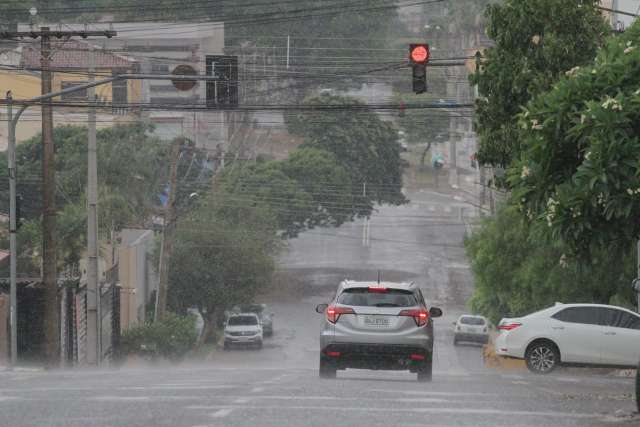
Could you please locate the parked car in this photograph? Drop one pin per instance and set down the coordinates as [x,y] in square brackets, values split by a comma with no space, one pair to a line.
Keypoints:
[265,316]
[377,326]
[572,334]
[471,329]
[243,329]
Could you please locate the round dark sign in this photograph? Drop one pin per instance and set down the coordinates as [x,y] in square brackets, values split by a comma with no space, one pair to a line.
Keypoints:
[184,70]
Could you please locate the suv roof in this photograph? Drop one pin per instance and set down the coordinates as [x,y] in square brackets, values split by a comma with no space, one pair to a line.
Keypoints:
[405,286]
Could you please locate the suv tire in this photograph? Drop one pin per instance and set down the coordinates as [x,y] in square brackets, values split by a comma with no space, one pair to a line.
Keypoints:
[542,357]
[327,370]
[425,374]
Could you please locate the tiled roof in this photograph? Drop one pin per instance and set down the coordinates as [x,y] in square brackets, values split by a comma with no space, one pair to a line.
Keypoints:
[73,54]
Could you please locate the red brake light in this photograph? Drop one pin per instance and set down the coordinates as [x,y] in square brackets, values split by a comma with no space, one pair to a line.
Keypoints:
[333,353]
[420,316]
[417,357]
[509,326]
[333,312]
[377,289]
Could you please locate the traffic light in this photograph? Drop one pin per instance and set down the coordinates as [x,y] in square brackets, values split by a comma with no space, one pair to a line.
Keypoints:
[418,57]
[223,92]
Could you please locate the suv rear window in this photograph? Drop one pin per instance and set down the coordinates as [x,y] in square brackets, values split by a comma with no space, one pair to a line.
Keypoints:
[362,297]
[242,320]
[468,320]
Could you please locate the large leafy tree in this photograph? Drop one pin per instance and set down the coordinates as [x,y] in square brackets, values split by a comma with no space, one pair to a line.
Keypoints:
[519,268]
[536,42]
[132,173]
[580,171]
[363,144]
[223,255]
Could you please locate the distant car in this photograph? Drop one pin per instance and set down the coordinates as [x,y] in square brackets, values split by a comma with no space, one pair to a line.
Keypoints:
[572,334]
[471,329]
[266,317]
[243,329]
[377,326]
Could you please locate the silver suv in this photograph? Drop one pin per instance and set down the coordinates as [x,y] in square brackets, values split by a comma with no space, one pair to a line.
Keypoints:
[377,326]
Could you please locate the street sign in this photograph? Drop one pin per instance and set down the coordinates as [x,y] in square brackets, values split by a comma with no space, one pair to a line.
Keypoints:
[184,70]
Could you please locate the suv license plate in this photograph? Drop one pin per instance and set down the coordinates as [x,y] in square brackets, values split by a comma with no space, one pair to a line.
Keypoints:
[377,321]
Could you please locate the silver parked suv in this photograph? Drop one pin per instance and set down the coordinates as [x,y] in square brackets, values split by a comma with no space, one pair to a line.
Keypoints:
[377,326]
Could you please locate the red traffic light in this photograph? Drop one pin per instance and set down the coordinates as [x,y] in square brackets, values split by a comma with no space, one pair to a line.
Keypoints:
[419,53]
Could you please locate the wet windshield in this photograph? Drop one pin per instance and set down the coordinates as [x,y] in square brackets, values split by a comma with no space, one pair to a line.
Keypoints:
[242,321]
[472,320]
[366,298]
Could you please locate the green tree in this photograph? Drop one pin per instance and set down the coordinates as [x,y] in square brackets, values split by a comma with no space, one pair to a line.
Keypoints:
[266,184]
[364,145]
[223,254]
[520,268]
[321,176]
[536,42]
[580,172]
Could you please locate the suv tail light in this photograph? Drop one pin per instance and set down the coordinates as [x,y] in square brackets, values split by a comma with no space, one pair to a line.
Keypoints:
[509,326]
[333,312]
[420,316]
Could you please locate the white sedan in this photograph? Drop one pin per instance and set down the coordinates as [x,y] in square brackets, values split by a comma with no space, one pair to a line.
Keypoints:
[572,334]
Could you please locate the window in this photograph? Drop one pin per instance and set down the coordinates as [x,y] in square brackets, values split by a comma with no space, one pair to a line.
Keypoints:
[585,315]
[160,68]
[362,297]
[243,320]
[618,319]
[472,320]
[80,95]
[119,91]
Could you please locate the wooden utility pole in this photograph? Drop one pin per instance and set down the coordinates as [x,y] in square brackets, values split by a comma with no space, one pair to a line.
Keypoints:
[168,233]
[49,276]
[51,315]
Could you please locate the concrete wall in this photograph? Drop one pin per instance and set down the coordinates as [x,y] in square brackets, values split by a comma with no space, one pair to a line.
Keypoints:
[137,275]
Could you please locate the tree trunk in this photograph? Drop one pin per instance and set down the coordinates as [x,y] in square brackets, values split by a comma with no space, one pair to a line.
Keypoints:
[209,326]
[424,154]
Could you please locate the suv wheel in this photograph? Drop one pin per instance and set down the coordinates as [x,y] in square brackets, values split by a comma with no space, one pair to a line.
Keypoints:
[542,357]
[327,370]
[425,373]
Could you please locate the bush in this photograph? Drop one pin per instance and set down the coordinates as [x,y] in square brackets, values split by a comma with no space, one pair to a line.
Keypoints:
[171,339]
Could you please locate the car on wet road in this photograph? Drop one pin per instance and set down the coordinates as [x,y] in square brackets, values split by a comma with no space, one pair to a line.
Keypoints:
[379,326]
[243,329]
[470,328]
[572,334]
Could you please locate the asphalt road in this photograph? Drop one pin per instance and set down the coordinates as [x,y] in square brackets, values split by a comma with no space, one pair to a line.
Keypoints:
[279,385]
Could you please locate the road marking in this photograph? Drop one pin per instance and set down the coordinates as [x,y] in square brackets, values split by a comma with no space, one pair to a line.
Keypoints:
[242,400]
[257,390]
[458,411]
[222,413]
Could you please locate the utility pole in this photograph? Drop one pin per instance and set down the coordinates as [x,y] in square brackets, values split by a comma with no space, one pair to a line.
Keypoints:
[11,155]
[49,276]
[93,298]
[365,228]
[168,233]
